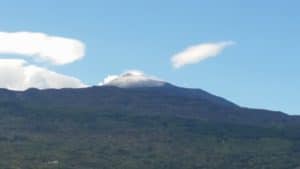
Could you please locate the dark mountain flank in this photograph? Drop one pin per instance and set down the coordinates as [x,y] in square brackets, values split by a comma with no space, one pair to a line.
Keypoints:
[149,127]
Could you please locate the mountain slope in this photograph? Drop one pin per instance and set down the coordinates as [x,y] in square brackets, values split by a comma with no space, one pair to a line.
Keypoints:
[166,99]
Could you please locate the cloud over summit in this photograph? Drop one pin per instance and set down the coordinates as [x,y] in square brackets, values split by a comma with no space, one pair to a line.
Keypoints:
[132,78]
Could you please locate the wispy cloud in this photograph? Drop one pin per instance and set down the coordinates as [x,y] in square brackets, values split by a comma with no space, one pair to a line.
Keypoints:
[17,74]
[197,53]
[57,50]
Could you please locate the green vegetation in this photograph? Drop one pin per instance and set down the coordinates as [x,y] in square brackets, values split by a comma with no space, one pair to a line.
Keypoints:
[95,140]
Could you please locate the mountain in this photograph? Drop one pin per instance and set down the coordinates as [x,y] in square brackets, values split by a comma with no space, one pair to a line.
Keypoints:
[133,79]
[165,99]
[132,121]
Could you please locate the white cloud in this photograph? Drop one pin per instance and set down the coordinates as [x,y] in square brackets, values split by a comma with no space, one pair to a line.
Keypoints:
[132,78]
[17,74]
[57,50]
[108,79]
[197,53]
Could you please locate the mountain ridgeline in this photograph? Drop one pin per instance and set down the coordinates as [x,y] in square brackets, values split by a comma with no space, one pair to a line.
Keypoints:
[150,127]
[163,100]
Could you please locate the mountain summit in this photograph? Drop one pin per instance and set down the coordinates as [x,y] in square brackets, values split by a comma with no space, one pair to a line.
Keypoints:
[132,79]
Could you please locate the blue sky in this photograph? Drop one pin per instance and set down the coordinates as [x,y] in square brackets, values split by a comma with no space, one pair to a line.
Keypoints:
[261,70]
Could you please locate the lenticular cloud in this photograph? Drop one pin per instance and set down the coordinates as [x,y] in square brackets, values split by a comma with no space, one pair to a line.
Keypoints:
[54,49]
[197,53]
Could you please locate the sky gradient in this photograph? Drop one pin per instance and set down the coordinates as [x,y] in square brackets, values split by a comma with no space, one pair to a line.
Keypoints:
[260,70]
